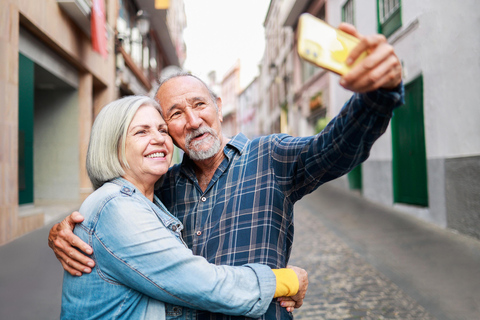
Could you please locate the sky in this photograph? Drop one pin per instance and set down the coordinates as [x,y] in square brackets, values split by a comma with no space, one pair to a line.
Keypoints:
[220,32]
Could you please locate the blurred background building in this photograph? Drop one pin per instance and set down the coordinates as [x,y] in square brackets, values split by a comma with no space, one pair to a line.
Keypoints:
[54,78]
[60,62]
[230,89]
[427,164]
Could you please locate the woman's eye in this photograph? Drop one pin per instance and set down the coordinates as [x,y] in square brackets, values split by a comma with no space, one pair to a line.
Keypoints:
[140,132]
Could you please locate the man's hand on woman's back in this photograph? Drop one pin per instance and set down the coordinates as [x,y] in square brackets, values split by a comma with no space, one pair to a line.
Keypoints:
[66,246]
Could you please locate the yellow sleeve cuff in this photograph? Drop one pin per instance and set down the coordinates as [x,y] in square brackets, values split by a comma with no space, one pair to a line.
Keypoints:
[287,282]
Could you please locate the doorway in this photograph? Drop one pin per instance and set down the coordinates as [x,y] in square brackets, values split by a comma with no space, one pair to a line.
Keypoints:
[48,137]
[408,146]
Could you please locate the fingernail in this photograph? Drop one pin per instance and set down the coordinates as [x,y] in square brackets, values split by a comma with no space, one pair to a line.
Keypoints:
[343,82]
[86,270]
[88,251]
[90,264]
[282,304]
[78,274]
[349,60]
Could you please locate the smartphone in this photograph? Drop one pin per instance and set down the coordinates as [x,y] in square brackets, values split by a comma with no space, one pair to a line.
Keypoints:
[324,45]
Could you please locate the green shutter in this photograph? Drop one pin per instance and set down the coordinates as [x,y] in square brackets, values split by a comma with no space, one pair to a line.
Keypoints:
[26,78]
[387,25]
[408,145]
[355,178]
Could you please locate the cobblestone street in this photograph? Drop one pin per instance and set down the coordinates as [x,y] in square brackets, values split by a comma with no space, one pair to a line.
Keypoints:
[369,262]
[341,284]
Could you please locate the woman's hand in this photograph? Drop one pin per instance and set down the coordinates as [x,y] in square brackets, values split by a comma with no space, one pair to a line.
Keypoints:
[65,243]
[296,301]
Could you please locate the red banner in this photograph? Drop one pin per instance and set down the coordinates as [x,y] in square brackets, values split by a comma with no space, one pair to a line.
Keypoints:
[98,27]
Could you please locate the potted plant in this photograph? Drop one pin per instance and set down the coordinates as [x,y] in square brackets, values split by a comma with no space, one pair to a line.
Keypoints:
[316,101]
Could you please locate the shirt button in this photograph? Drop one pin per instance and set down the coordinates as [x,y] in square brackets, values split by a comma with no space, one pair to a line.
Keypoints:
[174,228]
[199,233]
[204,199]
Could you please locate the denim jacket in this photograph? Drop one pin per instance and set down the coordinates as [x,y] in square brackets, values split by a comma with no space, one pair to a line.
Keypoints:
[144,270]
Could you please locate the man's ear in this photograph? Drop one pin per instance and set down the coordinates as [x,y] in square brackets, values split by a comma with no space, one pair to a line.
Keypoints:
[219,105]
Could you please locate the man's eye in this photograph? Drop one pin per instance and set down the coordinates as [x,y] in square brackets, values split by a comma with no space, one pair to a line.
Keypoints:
[175,114]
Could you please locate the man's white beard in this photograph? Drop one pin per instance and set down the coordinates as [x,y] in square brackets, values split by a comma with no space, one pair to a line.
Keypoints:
[194,147]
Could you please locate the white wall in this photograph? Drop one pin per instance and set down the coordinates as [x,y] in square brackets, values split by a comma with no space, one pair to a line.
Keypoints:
[444,46]
[447,47]
[439,40]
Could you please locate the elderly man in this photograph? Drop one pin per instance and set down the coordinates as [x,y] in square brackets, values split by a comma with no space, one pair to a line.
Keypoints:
[235,196]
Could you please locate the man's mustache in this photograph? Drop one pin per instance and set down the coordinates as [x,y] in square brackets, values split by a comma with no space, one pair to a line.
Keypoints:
[198,132]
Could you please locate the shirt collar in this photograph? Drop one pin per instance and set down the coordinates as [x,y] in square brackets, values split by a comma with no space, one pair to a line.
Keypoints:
[239,142]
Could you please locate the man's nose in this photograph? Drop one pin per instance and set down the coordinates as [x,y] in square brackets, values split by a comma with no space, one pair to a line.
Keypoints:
[193,119]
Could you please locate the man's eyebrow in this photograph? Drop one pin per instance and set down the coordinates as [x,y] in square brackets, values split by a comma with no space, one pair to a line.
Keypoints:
[190,100]
[172,107]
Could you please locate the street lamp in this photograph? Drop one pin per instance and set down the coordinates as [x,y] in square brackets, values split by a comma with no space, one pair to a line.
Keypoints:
[142,22]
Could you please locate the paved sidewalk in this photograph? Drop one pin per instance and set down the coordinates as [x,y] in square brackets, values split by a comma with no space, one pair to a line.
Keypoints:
[367,261]
[30,279]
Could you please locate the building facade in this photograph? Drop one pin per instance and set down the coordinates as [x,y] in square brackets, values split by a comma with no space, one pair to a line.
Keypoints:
[427,163]
[248,107]
[54,79]
[230,89]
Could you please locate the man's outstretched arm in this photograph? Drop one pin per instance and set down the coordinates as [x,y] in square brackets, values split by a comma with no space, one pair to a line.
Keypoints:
[66,245]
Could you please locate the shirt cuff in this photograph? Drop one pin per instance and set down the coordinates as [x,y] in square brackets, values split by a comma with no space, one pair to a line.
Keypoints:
[267,283]
[385,101]
[287,282]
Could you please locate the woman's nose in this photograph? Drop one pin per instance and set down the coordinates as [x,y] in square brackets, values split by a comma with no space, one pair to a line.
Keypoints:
[158,138]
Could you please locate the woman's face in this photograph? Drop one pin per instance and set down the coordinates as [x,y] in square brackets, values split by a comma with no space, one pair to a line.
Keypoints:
[148,147]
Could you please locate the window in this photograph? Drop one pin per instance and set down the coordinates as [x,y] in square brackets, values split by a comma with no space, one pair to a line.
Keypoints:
[309,69]
[132,41]
[389,16]
[348,13]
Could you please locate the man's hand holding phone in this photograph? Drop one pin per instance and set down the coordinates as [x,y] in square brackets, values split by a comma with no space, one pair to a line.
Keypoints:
[366,63]
[381,68]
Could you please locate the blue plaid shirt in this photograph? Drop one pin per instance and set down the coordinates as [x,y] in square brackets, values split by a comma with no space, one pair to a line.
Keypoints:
[246,213]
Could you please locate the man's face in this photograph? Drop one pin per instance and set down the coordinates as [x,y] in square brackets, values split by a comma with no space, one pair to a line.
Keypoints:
[193,119]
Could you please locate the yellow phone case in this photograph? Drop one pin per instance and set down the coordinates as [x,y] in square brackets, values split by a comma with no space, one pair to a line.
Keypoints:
[324,45]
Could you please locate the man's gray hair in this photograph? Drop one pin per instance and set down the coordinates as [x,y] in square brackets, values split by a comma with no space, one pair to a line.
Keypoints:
[106,150]
[177,74]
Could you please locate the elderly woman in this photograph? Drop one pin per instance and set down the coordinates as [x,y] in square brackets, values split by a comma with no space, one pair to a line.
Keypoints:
[143,268]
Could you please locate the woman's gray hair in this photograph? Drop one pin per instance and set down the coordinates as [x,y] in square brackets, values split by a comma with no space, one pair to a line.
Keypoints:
[106,150]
